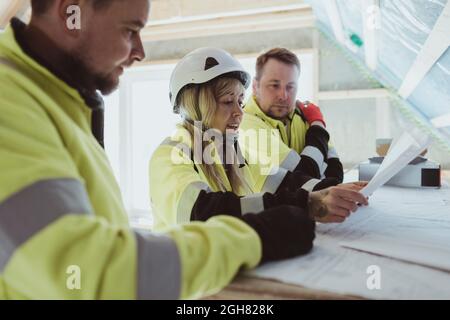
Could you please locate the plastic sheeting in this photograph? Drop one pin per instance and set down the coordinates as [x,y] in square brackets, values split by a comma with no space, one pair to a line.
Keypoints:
[404,27]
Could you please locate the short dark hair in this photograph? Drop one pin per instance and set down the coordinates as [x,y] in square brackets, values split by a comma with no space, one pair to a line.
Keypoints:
[39,7]
[280,54]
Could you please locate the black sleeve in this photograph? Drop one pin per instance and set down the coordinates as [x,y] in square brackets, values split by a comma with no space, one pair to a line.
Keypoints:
[297,198]
[317,137]
[211,204]
[297,179]
[335,169]
[285,232]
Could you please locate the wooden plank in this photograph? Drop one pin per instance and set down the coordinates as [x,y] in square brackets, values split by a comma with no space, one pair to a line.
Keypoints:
[353,94]
[334,16]
[441,121]
[436,44]
[250,288]
[336,21]
[371,23]
[278,18]
[166,9]
[238,56]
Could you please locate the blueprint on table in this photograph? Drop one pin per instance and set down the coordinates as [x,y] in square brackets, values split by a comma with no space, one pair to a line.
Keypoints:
[400,214]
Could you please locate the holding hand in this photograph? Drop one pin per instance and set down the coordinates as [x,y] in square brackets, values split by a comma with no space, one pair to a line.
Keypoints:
[335,204]
[285,232]
[311,112]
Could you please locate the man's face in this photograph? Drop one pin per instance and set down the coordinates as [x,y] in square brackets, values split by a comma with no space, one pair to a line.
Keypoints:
[110,40]
[276,90]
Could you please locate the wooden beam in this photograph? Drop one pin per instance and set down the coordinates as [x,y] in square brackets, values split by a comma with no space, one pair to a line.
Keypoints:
[353,94]
[436,44]
[145,63]
[441,121]
[334,16]
[371,23]
[166,9]
[252,288]
[335,19]
[274,18]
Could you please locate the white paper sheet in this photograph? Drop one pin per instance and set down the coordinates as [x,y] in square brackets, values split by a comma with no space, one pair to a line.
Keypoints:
[423,252]
[402,151]
[395,213]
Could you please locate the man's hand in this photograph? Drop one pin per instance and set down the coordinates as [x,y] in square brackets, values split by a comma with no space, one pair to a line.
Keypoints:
[335,204]
[311,112]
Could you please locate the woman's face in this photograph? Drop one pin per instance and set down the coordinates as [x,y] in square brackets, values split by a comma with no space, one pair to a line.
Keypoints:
[229,112]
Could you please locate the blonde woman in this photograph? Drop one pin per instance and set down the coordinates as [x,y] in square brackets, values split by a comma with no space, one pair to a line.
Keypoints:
[199,171]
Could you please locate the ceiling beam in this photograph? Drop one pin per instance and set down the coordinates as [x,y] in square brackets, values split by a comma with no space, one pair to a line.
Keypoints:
[272,18]
[335,19]
[353,94]
[436,44]
[334,15]
[371,23]
[441,121]
[166,9]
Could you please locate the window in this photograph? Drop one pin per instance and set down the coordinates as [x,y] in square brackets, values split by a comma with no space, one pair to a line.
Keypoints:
[139,117]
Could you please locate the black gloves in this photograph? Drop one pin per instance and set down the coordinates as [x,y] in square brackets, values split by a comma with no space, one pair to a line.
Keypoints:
[285,232]
[210,204]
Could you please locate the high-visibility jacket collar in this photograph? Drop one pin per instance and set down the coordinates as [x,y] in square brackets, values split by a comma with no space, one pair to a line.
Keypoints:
[295,125]
[252,107]
[15,47]
[10,49]
[183,135]
[293,135]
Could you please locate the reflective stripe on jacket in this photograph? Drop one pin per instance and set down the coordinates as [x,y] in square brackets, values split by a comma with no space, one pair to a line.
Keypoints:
[61,208]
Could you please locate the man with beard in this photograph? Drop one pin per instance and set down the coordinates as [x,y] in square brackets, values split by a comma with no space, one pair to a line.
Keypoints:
[64,231]
[290,134]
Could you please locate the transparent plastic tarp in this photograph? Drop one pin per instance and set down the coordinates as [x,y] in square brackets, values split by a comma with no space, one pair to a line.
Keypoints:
[432,95]
[404,27]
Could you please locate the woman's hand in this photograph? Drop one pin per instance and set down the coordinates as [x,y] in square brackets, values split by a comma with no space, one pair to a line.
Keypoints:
[335,204]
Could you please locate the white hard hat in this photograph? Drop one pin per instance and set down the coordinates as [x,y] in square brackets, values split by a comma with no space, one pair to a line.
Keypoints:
[203,65]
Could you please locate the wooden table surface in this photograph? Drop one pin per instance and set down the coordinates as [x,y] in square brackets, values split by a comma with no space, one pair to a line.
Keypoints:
[249,288]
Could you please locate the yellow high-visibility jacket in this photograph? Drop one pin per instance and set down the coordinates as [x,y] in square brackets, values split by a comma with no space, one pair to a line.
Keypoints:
[61,213]
[273,149]
[183,179]
[187,193]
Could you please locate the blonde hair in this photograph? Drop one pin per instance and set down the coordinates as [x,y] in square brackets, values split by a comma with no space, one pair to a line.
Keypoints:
[198,102]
